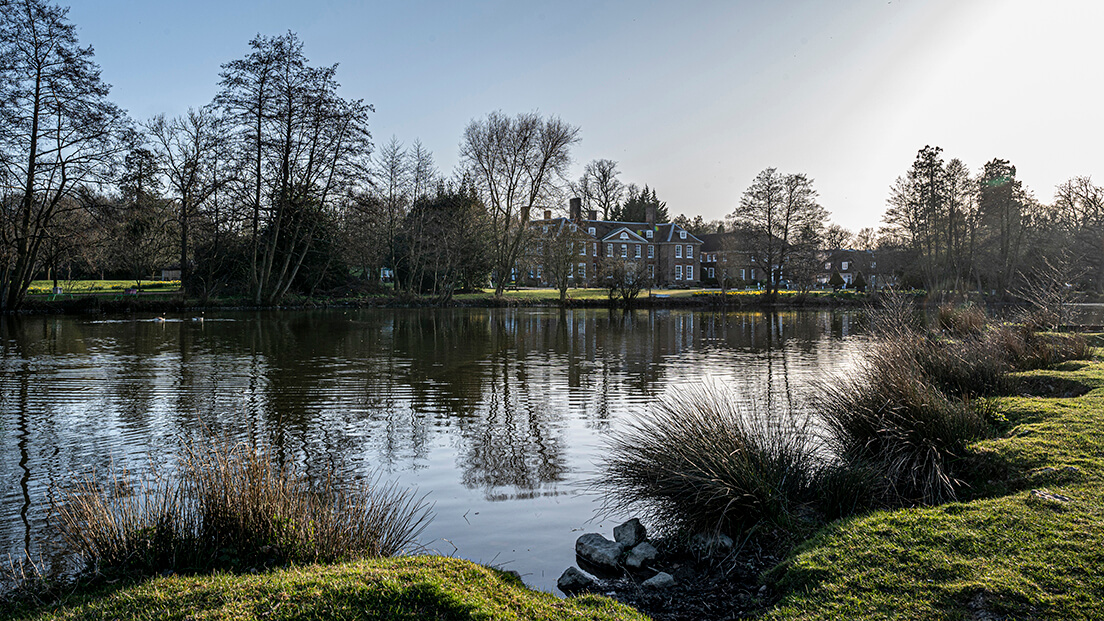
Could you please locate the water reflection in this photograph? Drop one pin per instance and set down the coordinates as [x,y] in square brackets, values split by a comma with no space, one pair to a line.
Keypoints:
[498,413]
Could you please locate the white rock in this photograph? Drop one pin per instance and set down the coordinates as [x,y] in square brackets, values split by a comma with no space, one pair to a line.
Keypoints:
[630,533]
[574,580]
[599,551]
[662,580]
[641,555]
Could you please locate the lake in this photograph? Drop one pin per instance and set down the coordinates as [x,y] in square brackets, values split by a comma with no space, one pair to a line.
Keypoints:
[499,415]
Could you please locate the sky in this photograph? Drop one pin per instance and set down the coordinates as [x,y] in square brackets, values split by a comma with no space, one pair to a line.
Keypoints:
[693,98]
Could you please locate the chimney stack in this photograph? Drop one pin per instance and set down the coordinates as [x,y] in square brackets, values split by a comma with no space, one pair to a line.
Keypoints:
[547,214]
[576,208]
[593,214]
[649,212]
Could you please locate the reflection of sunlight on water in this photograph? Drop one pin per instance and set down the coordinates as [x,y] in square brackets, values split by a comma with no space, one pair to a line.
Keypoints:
[501,415]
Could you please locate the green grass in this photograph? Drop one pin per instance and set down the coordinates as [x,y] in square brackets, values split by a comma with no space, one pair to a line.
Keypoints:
[418,587]
[551,295]
[83,287]
[1006,553]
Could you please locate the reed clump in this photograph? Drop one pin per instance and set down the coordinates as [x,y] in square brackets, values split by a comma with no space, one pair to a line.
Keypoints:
[232,507]
[710,461]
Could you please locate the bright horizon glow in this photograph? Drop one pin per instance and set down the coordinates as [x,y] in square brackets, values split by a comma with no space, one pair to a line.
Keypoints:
[693,98]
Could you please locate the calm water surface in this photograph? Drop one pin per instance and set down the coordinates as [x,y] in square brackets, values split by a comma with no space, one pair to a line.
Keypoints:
[499,415]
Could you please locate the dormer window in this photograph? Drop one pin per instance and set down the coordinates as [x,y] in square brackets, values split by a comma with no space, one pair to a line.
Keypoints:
[682,234]
[648,233]
[624,235]
[591,230]
[845,266]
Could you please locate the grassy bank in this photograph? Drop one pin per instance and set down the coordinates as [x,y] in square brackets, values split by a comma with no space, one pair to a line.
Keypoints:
[1010,553]
[408,588]
[157,296]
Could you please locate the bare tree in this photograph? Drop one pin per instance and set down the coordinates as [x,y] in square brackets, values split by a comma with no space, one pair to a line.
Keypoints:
[308,149]
[58,132]
[781,216]
[599,188]
[515,163]
[624,280]
[188,149]
[559,251]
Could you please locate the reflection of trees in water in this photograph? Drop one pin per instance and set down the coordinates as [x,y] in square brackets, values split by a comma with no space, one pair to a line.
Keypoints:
[516,442]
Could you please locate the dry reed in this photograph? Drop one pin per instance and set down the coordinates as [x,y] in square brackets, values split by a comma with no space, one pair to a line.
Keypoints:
[231,506]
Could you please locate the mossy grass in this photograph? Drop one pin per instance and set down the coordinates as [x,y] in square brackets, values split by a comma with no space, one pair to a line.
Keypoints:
[1006,553]
[405,588]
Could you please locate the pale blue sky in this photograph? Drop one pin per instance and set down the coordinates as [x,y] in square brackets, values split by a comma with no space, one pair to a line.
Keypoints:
[692,98]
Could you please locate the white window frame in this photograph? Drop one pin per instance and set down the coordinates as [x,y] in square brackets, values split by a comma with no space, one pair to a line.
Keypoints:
[678,251]
[595,249]
[582,249]
[689,251]
[624,251]
[689,272]
[609,250]
[682,234]
[582,271]
[590,230]
[844,265]
[648,233]
[651,251]
[638,251]
[678,272]
[651,271]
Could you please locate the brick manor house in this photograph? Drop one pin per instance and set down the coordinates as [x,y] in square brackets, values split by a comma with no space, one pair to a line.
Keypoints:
[669,254]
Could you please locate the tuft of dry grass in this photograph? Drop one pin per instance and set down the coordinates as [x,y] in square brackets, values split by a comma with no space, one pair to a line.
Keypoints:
[231,506]
[708,461]
[889,417]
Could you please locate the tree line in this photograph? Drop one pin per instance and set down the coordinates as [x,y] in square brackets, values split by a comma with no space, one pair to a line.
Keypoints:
[276,187]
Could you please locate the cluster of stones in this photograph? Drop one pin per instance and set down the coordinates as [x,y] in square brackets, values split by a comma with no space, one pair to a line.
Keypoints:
[629,551]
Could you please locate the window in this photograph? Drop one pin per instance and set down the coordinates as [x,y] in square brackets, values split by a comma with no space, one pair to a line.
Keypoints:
[682,234]
[648,233]
[845,265]
[711,273]
[689,272]
[582,249]
[638,251]
[624,235]
[595,249]
[651,271]
[570,270]
[651,251]
[678,272]
[873,264]
[678,251]
[624,251]
[539,272]
[743,275]
[591,230]
[609,250]
[582,270]
[689,251]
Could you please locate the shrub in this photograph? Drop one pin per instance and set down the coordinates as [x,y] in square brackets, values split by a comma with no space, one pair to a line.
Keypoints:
[230,507]
[707,460]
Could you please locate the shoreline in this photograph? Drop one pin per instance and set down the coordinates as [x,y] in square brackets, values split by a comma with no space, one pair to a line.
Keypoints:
[160,303]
